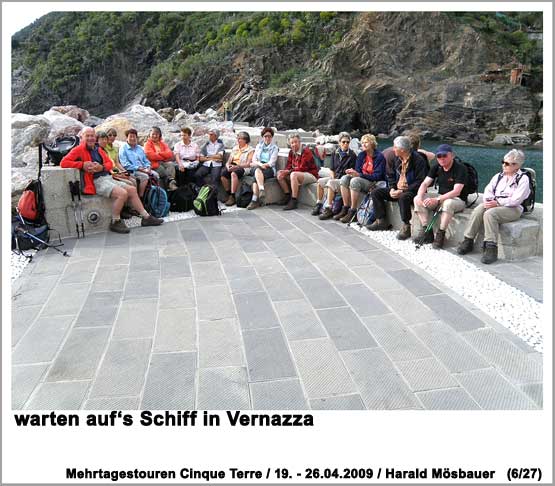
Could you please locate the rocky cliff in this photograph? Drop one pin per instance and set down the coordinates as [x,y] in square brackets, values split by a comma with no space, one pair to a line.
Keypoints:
[378,72]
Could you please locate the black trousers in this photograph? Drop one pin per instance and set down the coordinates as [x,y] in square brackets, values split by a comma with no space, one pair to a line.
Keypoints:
[213,172]
[381,195]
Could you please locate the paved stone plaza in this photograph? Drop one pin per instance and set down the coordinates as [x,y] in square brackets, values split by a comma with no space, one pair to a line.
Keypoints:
[261,309]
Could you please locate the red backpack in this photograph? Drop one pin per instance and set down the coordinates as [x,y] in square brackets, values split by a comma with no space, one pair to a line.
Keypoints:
[29,202]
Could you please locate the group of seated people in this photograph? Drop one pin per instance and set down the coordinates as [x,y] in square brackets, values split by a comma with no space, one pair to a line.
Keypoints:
[400,174]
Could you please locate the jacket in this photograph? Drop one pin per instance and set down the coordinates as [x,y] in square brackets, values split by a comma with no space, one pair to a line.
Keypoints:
[416,172]
[156,157]
[341,163]
[75,159]
[509,192]
[378,174]
[302,163]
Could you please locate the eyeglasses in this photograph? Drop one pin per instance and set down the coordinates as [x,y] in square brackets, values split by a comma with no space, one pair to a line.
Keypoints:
[441,156]
[344,141]
[112,135]
[507,163]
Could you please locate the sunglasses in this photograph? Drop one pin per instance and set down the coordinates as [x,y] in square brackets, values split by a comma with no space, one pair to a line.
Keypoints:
[441,156]
[344,141]
[507,163]
[112,135]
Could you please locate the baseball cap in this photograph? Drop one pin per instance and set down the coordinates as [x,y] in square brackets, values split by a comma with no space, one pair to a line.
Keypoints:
[443,149]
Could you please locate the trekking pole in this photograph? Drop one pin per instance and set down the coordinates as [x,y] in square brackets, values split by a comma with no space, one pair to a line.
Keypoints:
[80,206]
[24,232]
[73,203]
[428,228]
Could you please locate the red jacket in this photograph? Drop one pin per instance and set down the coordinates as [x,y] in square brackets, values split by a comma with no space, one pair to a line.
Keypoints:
[302,163]
[155,156]
[79,155]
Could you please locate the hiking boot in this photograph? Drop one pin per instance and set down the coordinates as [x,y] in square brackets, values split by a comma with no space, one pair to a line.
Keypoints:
[424,237]
[262,196]
[490,252]
[378,225]
[316,209]
[284,199]
[292,204]
[253,205]
[349,216]
[119,227]
[439,240]
[465,246]
[230,201]
[125,214]
[404,233]
[327,214]
[341,214]
[151,221]
[172,186]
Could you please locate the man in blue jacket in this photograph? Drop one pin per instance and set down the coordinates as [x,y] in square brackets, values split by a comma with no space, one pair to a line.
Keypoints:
[409,170]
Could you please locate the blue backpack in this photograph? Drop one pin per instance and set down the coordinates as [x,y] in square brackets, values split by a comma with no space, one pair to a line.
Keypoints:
[156,200]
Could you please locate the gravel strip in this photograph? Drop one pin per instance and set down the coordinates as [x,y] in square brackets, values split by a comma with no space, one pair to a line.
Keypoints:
[509,306]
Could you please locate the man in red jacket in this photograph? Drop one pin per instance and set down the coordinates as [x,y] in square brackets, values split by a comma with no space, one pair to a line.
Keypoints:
[300,170]
[97,177]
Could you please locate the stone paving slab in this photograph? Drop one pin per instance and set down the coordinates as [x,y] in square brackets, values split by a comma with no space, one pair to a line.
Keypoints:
[265,309]
[278,395]
[170,382]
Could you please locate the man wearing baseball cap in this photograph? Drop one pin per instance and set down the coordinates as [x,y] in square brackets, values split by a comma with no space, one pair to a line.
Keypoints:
[211,157]
[451,176]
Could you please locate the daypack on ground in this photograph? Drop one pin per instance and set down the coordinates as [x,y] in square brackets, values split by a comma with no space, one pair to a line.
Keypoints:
[21,239]
[365,212]
[181,200]
[244,195]
[31,203]
[529,203]
[60,148]
[206,203]
[155,199]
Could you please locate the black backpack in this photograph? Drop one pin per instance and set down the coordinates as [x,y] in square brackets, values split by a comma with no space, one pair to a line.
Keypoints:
[181,200]
[60,148]
[529,203]
[244,195]
[471,186]
[206,203]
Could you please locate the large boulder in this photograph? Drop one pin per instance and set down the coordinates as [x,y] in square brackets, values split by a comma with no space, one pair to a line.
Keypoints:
[167,113]
[73,111]
[93,121]
[28,131]
[511,139]
[62,125]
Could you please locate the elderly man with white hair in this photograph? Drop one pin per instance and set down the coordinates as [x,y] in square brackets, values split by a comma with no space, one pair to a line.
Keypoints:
[404,178]
[503,198]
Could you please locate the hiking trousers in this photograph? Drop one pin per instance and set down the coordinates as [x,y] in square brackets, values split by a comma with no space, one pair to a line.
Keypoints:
[491,219]
[381,195]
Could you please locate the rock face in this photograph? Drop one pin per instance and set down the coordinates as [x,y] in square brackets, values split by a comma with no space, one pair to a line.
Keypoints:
[511,139]
[73,111]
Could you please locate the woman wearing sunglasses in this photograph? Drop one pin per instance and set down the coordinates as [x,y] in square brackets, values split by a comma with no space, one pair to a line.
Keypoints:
[503,198]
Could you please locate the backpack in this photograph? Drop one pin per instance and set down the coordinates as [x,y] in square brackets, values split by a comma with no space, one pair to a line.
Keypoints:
[21,239]
[244,195]
[529,203]
[60,148]
[181,200]
[365,212]
[155,199]
[471,186]
[206,203]
[31,203]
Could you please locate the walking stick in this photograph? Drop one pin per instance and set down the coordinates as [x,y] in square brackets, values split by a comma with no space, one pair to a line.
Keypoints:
[80,206]
[74,204]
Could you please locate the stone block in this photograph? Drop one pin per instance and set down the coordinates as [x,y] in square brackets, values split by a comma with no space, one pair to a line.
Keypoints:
[364,302]
[380,385]
[342,402]
[59,210]
[447,399]
[278,395]
[345,329]
[24,380]
[175,331]
[426,374]
[255,311]
[136,319]
[176,293]
[220,344]
[223,389]
[492,392]
[452,313]
[321,369]
[267,355]
[59,396]
[280,286]
[299,320]
[113,403]
[321,293]
[22,319]
[170,382]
